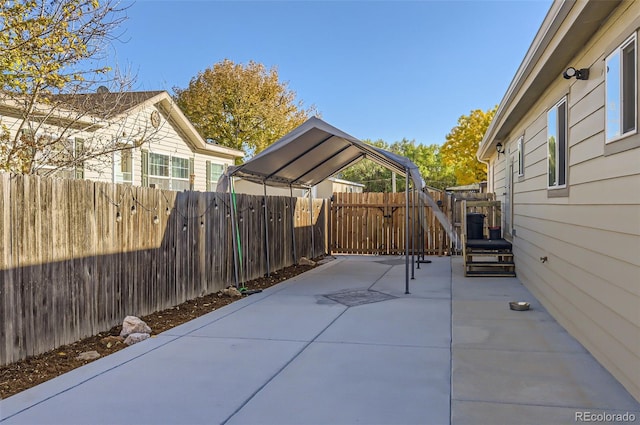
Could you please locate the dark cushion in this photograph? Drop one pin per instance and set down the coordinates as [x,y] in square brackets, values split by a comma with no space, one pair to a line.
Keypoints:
[489,244]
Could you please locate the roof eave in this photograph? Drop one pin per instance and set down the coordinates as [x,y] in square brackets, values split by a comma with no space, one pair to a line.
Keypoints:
[567,27]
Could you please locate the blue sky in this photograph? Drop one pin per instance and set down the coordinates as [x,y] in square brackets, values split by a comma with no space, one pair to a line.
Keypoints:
[374,69]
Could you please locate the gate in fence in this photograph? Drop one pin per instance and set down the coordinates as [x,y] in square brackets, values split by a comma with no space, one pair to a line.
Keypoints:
[374,223]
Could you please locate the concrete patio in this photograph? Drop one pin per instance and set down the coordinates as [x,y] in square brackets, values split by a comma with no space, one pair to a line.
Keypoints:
[450,352]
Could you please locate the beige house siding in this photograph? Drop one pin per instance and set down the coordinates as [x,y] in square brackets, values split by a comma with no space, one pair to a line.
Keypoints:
[174,137]
[327,188]
[591,237]
[324,189]
[251,188]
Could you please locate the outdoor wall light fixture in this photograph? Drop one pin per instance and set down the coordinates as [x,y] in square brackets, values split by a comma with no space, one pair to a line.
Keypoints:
[499,149]
[580,74]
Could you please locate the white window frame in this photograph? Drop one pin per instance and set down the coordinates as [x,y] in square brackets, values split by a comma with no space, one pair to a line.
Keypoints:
[211,166]
[557,132]
[520,146]
[72,141]
[170,178]
[117,161]
[615,112]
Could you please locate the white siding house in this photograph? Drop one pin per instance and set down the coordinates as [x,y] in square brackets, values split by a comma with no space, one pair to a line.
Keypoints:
[153,143]
[325,189]
[569,176]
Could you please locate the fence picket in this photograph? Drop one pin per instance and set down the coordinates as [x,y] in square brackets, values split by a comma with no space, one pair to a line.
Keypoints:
[70,268]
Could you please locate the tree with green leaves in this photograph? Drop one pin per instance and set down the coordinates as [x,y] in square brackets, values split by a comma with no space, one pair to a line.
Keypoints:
[244,107]
[377,178]
[459,150]
[51,51]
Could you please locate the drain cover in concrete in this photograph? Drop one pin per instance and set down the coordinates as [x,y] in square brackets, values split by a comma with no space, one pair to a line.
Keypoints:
[395,262]
[355,297]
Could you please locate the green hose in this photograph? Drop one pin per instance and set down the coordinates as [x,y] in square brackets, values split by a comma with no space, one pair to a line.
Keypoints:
[235,209]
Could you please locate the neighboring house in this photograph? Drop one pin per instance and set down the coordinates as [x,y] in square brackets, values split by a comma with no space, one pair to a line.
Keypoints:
[152,142]
[568,174]
[332,185]
[324,189]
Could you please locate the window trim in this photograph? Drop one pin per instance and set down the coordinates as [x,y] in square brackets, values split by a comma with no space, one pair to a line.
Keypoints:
[520,147]
[212,164]
[126,145]
[618,50]
[75,172]
[170,178]
[556,187]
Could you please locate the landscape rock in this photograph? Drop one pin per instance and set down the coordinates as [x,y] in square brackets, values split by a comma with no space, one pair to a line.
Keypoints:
[326,260]
[88,355]
[132,324]
[232,292]
[110,341]
[304,261]
[136,337]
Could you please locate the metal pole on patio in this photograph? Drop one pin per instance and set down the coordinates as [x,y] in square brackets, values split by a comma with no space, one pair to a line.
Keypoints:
[293,233]
[313,247]
[266,228]
[406,232]
[416,203]
[413,232]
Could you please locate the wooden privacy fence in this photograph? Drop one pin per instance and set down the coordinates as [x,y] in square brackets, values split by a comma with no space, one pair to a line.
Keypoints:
[77,256]
[374,223]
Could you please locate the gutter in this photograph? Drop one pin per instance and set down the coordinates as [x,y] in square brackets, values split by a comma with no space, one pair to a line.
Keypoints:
[552,21]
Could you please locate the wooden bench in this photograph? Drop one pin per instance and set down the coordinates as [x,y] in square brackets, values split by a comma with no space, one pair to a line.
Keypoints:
[486,257]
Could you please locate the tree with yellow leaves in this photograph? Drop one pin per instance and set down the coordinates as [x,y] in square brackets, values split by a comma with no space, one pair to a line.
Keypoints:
[459,151]
[240,106]
[50,52]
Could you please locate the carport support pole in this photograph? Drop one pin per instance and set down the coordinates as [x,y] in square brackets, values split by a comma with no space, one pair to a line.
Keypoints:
[406,232]
[233,232]
[416,209]
[266,228]
[421,207]
[313,245]
[413,232]
[293,233]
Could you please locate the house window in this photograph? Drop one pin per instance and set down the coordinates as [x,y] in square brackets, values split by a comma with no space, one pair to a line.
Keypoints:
[215,171]
[60,157]
[521,157]
[557,145]
[179,173]
[167,172]
[621,83]
[123,164]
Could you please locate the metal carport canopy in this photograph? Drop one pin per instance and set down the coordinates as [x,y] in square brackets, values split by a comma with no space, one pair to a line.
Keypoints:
[312,152]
